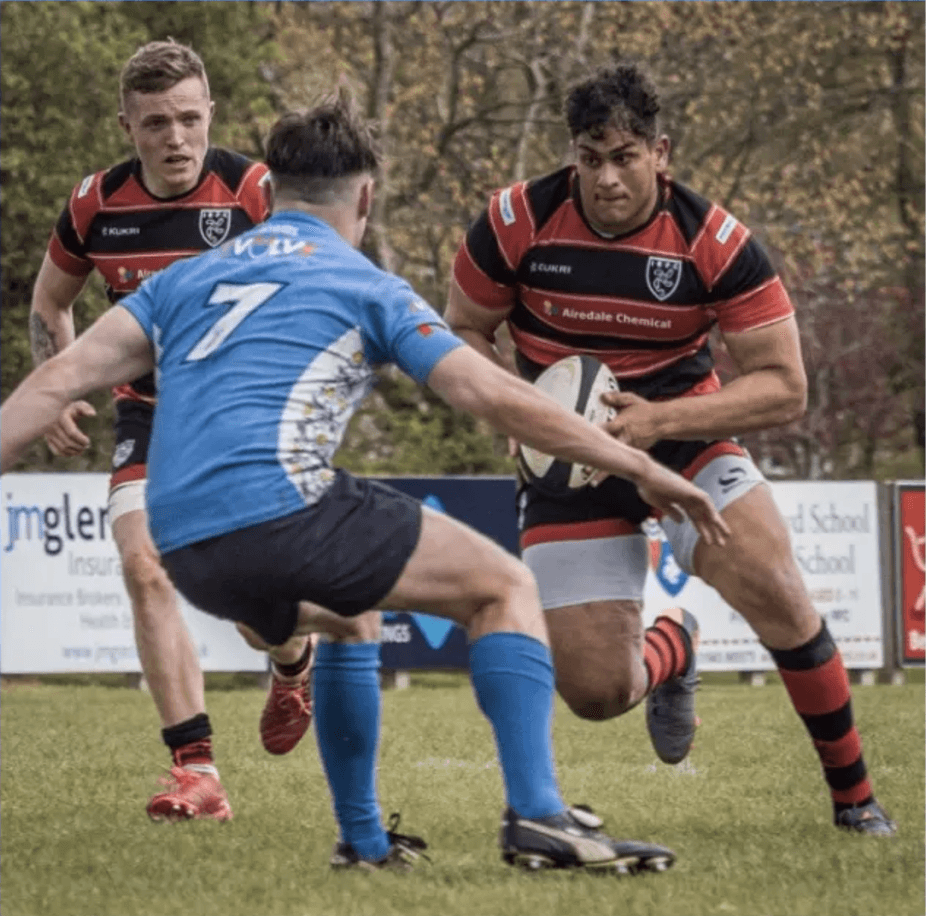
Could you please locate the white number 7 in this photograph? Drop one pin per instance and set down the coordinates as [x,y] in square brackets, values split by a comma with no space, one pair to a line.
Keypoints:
[246,299]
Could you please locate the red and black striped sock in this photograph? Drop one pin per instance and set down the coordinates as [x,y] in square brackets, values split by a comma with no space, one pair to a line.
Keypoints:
[818,685]
[666,651]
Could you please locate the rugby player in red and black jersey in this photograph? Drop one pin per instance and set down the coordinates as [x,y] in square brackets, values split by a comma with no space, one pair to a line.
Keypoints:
[610,257]
[178,197]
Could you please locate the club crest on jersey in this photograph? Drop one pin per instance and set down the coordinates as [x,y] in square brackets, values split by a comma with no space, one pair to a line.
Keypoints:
[214,226]
[663,276]
[123,452]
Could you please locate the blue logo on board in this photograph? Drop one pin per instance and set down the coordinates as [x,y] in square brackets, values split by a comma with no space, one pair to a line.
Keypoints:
[435,630]
[662,561]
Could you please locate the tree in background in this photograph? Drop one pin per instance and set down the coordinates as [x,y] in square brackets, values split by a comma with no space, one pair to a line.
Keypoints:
[805,119]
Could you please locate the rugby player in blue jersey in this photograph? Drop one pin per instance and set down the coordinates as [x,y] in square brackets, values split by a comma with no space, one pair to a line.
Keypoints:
[262,349]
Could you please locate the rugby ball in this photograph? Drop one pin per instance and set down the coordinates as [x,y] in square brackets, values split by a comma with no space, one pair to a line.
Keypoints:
[576,383]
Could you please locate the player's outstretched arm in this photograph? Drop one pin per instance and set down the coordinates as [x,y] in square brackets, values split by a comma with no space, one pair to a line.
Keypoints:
[470,382]
[669,492]
[113,351]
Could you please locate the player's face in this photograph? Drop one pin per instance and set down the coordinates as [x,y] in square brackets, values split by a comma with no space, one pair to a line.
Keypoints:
[170,131]
[617,178]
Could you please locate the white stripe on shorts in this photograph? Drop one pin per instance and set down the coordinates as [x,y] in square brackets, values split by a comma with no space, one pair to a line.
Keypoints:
[599,569]
[725,479]
[125,498]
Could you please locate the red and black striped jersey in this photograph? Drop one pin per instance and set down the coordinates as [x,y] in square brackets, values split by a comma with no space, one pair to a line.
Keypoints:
[643,302]
[114,224]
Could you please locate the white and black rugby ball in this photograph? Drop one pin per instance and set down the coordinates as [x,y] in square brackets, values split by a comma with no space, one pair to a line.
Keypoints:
[576,383]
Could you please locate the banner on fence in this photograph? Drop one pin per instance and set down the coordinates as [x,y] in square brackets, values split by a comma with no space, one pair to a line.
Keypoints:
[835,538]
[910,570]
[64,605]
[485,503]
[65,609]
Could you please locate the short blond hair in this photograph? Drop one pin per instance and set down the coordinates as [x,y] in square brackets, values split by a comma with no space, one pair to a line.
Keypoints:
[158,66]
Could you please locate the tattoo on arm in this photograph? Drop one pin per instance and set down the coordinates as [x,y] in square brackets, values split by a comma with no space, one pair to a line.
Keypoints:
[43,342]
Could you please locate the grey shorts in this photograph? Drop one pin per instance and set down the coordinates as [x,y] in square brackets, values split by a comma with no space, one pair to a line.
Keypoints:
[585,548]
[345,553]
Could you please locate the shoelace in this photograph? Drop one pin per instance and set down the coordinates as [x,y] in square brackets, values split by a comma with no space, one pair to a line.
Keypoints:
[178,779]
[659,709]
[174,777]
[292,695]
[412,842]
[869,812]
[676,686]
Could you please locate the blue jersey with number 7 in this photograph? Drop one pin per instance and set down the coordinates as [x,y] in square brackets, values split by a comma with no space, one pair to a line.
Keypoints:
[264,348]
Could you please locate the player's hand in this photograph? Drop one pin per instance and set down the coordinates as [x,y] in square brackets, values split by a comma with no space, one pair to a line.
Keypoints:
[66,438]
[636,420]
[676,497]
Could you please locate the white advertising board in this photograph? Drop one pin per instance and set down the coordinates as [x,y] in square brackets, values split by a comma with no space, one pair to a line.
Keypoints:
[63,605]
[835,538]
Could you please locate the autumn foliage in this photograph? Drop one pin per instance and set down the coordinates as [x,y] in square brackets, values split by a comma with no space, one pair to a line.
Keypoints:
[804,119]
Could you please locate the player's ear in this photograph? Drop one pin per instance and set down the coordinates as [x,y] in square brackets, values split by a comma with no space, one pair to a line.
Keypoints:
[662,148]
[365,199]
[266,185]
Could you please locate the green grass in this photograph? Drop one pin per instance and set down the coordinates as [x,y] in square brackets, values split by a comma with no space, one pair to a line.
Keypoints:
[747,815]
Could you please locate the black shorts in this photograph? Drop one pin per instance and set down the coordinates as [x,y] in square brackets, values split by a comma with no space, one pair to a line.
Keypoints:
[615,499]
[345,553]
[134,420]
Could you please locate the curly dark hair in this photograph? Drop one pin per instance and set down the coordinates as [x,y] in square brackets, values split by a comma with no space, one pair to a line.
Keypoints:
[623,97]
[309,152]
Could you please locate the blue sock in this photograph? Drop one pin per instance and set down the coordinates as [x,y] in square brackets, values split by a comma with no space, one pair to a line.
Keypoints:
[345,692]
[512,676]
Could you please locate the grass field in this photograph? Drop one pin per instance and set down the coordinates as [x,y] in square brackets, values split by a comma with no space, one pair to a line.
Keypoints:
[747,814]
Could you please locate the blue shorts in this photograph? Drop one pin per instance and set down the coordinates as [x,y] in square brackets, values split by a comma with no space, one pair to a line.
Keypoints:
[345,553]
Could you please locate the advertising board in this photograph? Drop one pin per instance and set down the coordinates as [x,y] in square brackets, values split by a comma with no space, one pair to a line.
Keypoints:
[835,539]
[64,605]
[412,641]
[910,578]
[65,609]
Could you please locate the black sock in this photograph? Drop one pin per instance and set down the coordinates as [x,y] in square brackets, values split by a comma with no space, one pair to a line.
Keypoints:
[196,729]
[297,667]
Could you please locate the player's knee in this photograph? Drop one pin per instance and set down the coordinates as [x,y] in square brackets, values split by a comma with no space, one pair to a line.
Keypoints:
[601,700]
[252,638]
[600,708]
[519,587]
[145,578]
[510,593]
[521,579]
